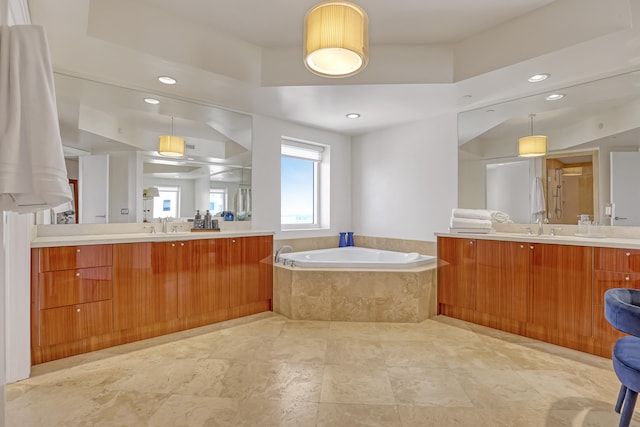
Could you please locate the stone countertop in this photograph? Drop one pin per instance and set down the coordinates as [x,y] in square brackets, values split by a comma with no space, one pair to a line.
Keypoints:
[98,239]
[562,239]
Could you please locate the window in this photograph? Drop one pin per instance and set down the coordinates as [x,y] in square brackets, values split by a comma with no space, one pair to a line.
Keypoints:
[300,184]
[217,197]
[167,203]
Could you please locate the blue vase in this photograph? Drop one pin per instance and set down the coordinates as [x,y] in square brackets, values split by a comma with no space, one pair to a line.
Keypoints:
[350,238]
[343,240]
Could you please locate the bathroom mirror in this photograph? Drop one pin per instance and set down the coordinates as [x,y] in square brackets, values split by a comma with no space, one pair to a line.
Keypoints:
[110,137]
[588,123]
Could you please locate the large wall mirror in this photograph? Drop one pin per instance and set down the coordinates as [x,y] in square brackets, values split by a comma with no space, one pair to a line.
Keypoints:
[592,164]
[110,136]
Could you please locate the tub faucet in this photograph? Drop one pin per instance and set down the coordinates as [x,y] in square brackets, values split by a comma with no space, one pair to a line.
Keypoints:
[280,249]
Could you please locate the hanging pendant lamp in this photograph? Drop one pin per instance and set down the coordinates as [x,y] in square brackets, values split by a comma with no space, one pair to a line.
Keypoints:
[336,39]
[170,145]
[532,145]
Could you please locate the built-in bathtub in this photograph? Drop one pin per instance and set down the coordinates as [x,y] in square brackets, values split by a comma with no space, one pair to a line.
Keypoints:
[355,257]
[395,287]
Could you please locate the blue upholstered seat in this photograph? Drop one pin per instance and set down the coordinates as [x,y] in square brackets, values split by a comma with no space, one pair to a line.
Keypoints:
[622,310]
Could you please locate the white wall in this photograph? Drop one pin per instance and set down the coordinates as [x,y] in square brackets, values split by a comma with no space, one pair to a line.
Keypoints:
[122,179]
[507,189]
[267,134]
[405,179]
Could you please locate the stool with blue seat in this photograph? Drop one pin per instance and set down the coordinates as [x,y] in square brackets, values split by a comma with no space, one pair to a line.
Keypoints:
[622,311]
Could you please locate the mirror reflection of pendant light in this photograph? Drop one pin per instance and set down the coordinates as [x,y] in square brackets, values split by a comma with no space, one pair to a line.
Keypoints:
[170,145]
[336,39]
[532,145]
[572,171]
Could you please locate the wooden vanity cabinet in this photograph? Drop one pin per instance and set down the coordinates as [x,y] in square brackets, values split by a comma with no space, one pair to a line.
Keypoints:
[561,288]
[203,282]
[613,268]
[85,298]
[72,293]
[457,272]
[145,284]
[502,278]
[250,270]
[543,291]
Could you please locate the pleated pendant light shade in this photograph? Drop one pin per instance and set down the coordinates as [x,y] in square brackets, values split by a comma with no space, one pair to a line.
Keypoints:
[170,145]
[336,39]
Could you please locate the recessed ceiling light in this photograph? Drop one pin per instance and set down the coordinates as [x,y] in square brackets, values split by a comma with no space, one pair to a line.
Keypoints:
[353,116]
[167,80]
[151,101]
[555,96]
[539,77]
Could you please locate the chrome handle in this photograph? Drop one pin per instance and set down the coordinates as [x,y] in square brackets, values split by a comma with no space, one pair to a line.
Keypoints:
[173,244]
[77,274]
[619,217]
[181,244]
[77,310]
[77,250]
[628,254]
[101,216]
[521,246]
[531,247]
[627,278]
[471,242]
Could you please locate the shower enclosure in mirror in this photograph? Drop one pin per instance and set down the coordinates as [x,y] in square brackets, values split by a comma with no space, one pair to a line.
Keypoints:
[592,124]
[110,137]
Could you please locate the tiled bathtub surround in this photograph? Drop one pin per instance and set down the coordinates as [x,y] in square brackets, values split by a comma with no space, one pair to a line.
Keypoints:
[354,295]
[399,245]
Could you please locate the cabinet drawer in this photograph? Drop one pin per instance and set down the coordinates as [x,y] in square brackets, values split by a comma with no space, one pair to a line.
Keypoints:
[75,322]
[605,280]
[623,260]
[70,257]
[67,287]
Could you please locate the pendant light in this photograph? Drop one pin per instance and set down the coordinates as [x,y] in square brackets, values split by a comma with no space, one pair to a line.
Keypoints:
[532,145]
[170,145]
[336,39]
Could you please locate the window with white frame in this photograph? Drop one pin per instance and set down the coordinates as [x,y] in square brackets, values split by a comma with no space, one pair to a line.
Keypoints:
[167,204]
[300,182]
[217,199]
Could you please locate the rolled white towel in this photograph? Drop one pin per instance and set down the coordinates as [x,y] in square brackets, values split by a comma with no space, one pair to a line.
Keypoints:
[470,223]
[500,217]
[471,213]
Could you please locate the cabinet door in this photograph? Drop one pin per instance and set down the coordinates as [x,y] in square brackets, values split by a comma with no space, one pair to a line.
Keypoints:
[502,278]
[456,272]
[144,284]
[605,280]
[250,269]
[203,282]
[561,288]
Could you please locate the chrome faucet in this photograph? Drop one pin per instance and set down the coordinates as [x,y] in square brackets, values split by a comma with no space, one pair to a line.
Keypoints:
[280,249]
[540,222]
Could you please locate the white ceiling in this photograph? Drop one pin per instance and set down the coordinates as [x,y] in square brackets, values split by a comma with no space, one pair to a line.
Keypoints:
[427,57]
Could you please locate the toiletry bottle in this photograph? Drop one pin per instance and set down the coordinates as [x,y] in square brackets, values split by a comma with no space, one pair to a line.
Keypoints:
[197,220]
[207,221]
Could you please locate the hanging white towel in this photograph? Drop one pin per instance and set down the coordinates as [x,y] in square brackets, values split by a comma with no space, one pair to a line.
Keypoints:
[538,205]
[33,175]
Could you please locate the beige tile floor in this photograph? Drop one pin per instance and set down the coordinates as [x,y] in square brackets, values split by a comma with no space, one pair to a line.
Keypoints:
[266,370]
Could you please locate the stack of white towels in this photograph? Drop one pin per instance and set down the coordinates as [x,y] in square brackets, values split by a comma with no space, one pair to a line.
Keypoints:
[476,220]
